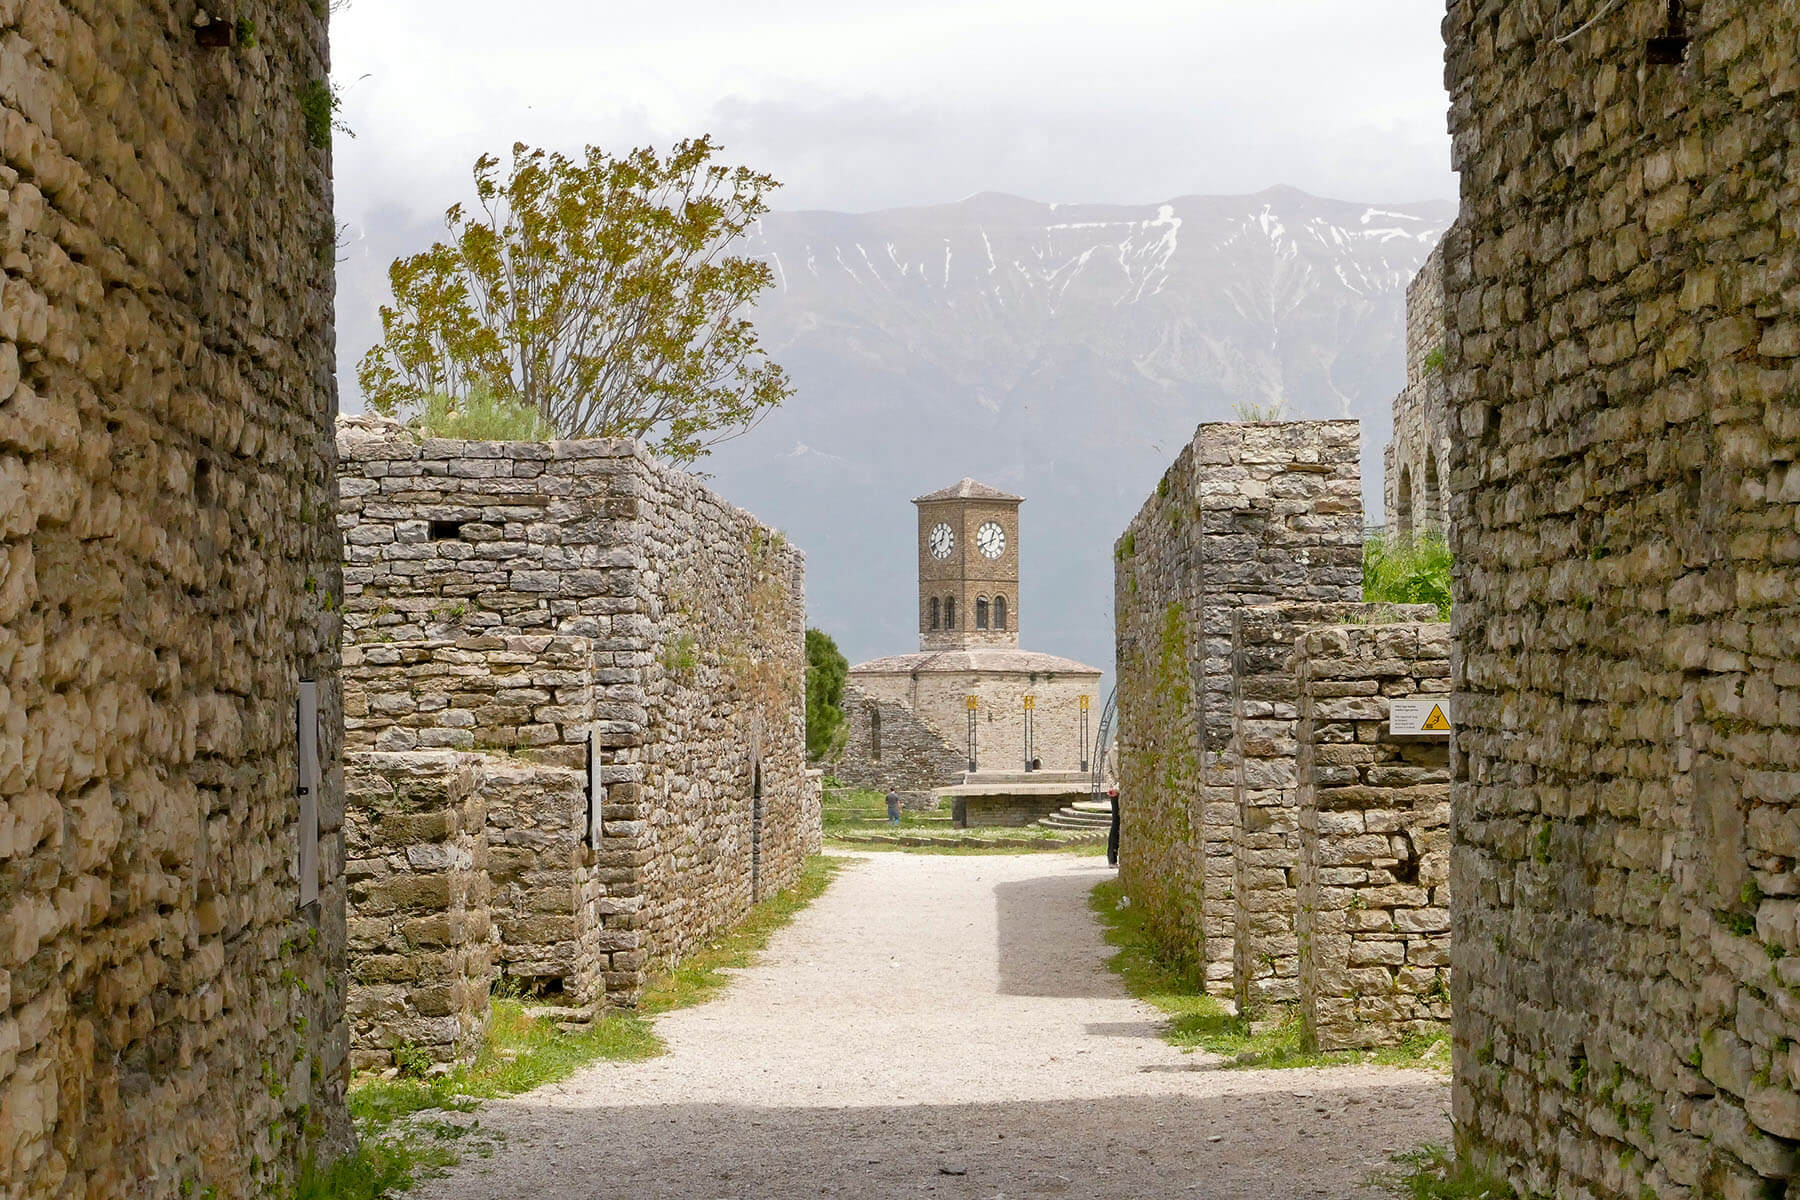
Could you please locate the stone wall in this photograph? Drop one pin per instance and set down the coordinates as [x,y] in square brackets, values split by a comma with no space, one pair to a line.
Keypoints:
[1624,355]
[171,1013]
[914,758]
[1373,919]
[421,940]
[1265,750]
[1416,464]
[1248,514]
[516,597]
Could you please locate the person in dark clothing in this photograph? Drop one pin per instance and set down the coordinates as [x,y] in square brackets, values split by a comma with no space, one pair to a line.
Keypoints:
[893,803]
[1112,838]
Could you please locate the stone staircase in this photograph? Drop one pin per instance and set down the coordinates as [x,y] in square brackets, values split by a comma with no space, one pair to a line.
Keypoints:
[1083,814]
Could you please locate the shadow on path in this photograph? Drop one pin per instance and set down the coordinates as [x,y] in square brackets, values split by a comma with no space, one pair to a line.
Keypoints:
[1044,939]
[1253,1146]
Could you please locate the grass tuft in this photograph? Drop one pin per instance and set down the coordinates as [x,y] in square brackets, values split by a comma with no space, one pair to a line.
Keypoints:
[1198,1021]
[1432,1173]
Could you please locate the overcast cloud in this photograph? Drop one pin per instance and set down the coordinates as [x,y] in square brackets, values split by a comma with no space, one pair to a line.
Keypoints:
[870,105]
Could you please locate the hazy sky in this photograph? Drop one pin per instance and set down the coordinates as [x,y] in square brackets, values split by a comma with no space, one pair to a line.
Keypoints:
[858,105]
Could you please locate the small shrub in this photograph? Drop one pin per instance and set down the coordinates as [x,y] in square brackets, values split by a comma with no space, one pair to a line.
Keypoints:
[411,1061]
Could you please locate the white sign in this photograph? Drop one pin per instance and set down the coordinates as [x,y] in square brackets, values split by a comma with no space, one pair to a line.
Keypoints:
[1430,718]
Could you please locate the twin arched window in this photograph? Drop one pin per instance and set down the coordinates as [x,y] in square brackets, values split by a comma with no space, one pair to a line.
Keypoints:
[990,614]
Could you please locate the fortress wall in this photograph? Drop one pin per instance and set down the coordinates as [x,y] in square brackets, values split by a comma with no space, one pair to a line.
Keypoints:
[1373,917]
[171,1011]
[914,760]
[1416,464]
[1248,514]
[514,598]
[1623,365]
[1265,747]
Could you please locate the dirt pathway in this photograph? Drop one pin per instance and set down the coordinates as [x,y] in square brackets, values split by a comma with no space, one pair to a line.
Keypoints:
[944,1026]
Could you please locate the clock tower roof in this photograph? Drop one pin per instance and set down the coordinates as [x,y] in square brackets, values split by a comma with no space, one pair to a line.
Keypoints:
[968,489]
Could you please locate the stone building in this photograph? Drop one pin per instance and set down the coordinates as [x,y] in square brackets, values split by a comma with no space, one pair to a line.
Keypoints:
[1623,354]
[592,667]
[171,908]
[1005,733]
[1416,464]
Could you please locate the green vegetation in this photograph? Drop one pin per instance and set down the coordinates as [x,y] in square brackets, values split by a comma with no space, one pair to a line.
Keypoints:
[1248,410]
[1408,571]
[826,670]
[481,416]
[319,105]
[1435,359]
[596,290]
[1433,1173]
[1201,1022]
[853,815]
[401,1140]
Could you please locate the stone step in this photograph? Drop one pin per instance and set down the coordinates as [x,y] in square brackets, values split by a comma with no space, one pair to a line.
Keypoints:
[1075,818]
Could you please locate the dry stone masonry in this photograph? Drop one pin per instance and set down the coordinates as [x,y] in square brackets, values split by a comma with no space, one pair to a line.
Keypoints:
[1265,748]
[421,940]
[1623,349]
[1416,464]
[1272,830]
[1373,919]
[516,599]
[1249,514]
[171,1002]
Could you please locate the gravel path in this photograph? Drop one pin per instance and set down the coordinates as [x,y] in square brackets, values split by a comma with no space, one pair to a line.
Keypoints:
[944,1026]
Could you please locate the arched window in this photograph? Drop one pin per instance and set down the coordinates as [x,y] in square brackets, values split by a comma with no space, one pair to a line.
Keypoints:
[999,612]
[936,612]
[1403,506]
[981,612]
[949,612]
[875,734]
[1431,516]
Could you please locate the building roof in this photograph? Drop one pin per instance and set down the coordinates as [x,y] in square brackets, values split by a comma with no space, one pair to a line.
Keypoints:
[968,489]
[995,659]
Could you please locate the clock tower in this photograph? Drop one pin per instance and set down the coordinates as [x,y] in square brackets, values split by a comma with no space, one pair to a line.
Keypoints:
[968,567]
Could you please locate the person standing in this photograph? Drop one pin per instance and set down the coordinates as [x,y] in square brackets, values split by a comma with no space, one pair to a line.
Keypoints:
[893,803]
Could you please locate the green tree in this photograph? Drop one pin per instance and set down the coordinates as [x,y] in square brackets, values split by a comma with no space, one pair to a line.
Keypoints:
[597,291]
[826,670]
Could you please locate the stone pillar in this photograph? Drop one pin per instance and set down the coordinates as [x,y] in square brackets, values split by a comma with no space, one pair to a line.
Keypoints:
[1263,749]
[1373,919]
[421,941]
[1248,514]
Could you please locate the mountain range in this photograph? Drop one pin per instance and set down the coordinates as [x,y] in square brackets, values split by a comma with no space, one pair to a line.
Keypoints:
[1061,351]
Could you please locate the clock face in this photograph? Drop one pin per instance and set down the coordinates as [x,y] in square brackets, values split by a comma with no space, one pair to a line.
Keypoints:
[990,539]
[942,541]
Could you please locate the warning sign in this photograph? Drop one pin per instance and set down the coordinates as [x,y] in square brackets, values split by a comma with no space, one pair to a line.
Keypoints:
[1419,717]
